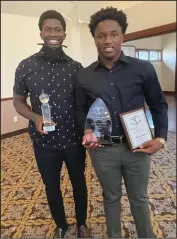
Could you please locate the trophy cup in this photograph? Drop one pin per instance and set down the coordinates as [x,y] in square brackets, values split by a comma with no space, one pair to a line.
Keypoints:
[99,120]
[46,113]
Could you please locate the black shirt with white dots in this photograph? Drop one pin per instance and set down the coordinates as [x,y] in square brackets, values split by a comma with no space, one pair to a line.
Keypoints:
[36,74]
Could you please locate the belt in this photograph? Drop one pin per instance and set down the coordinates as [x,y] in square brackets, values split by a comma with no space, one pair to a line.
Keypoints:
[118,139]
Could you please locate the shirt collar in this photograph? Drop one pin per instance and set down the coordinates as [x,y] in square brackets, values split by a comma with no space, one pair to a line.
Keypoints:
[62,57]
[122,58]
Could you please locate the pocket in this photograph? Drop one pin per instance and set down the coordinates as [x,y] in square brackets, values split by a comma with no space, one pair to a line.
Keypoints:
[134,88]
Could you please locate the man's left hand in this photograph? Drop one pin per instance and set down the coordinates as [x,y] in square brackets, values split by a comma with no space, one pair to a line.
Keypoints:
[150,147]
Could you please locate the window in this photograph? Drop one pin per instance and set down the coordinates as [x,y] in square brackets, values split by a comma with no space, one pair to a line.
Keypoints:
[143,55]
[128,50]
[149,55]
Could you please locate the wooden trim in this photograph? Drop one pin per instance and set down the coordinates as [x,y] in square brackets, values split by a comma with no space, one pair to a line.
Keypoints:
[14,133]
[148,49]
[150,32]
[172,93]
[128,46]
[6,99]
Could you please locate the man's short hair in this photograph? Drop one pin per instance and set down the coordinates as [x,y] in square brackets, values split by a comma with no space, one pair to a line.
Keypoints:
[53,15]
[109,13]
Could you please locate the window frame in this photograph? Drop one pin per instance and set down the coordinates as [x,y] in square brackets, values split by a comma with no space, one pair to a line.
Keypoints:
[148,51]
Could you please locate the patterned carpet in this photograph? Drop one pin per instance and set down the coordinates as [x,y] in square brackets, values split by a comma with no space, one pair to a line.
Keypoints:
[25,213]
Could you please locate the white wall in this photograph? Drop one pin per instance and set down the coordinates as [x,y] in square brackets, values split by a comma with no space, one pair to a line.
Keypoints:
[169,61]
[19,38]
[142,16]
[147,43]
[165,69]
[89,51]
[20,35]
[150,43]
[150,14]
[74,42]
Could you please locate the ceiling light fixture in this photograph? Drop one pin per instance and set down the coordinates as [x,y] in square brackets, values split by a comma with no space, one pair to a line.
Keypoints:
[69,19]
[80,21]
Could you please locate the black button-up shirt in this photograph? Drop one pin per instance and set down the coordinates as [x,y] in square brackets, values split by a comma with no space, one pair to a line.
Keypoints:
[125,87]
[35,74]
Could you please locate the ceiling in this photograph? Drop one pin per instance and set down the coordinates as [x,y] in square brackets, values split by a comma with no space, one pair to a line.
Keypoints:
[67,8]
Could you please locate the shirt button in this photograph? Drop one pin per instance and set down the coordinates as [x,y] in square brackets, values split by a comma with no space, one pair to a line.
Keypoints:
[110,71]
[111,83]
[115,112]
[113,98]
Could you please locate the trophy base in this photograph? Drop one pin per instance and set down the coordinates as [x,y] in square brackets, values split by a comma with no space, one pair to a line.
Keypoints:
[48,128]
[107,141]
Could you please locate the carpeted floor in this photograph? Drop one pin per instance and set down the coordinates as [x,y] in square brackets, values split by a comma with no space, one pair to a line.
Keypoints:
[25,213]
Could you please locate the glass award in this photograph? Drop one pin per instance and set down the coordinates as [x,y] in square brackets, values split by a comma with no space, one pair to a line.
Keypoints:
[99,120]
[46,113]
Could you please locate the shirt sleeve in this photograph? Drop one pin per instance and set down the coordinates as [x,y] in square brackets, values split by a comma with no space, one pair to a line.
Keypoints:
[20,87]
[156,101]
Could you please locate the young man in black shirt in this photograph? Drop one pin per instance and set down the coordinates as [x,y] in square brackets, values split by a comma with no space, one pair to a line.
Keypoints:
[53,72]
[124,84]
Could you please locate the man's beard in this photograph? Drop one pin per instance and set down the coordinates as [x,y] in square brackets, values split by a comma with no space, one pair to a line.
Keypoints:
[52,54]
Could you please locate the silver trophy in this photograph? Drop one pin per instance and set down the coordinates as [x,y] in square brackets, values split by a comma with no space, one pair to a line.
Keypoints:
[46,113]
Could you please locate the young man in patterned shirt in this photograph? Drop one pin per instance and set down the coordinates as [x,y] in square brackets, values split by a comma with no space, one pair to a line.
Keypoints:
[53,72]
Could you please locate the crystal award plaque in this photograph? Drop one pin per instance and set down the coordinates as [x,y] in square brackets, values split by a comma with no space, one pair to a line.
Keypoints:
[46,113]
[99,120]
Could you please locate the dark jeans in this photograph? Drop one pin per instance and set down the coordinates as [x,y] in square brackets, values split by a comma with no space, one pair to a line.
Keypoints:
[50,162]
[111,163]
